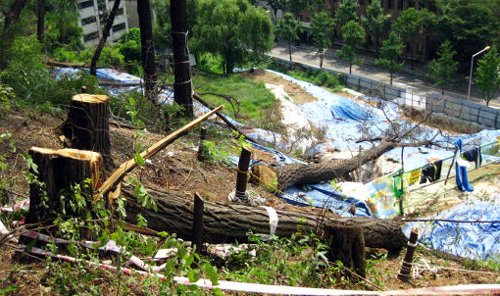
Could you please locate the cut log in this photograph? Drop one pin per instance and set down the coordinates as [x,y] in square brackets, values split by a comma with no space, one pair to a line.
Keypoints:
[280,177]
[87,125]
[232,222]
[58,171]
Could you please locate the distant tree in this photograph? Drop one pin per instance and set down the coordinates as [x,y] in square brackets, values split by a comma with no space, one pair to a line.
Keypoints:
[468,25]
[375,22]
[40,25]
[321,29]
[297,6]
[147,48]
[221,29]
[347,10]
[353,35]
[104,37]
[288,28]
[391,54]
[11,14]
[407,25]
[62,28]
[488,75]
[277,5]
[444,67]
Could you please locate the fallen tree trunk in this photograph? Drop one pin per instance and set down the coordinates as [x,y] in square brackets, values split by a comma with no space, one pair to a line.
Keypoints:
[232,222]
[281,177]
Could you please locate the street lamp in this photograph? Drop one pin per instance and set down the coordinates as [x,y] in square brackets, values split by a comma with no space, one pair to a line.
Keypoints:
[472,66]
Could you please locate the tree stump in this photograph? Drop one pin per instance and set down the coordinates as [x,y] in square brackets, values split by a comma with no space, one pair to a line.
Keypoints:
[87,125]
[58,173]
[347,244]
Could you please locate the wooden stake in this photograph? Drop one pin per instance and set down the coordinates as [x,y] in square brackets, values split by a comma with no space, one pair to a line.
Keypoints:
[130,164]
[202,153]
[404,273]
[199,204]
[242,176]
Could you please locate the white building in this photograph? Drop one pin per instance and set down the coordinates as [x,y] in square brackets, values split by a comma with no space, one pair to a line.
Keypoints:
[93,17]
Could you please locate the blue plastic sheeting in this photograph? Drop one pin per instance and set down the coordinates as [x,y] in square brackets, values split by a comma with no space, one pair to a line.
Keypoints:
[117,76]
[347,109]
[324,196]
[469,240]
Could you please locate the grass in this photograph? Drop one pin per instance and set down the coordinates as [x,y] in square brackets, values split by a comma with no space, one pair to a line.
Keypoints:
[252,96]
[320,77]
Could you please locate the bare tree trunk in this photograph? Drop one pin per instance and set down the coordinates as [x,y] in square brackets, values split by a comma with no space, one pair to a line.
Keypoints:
[232,222]
[40,28]
[14,12]
[290,52]
[104,38]
[6,34]
[321,56]
[147,47]
[183,93]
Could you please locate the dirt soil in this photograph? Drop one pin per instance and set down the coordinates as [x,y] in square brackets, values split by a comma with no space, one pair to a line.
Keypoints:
[176,168]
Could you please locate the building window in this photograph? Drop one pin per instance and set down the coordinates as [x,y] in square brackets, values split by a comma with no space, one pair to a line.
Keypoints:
[119,27]
[86,4]
[120,11]
[390,4]
[91,36]
[88,20]
[400,5]
[411,3]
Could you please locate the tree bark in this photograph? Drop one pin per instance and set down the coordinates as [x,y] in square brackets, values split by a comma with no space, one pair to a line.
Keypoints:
[232,222]
[87,125]
[147,47]
[6,34]
[104,38]
[58,171]
[183,92]
[281,177]
[40,28]
[14,12]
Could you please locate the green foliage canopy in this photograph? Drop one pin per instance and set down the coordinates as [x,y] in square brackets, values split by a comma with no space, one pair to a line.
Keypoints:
[375,21]
[228,27]
[353,35]
[347,10]
[391,54]
[322,27]
[488,75]
[444,67]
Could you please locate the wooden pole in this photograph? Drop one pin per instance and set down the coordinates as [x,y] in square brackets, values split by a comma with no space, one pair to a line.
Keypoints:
[183,93]
[452,164]
[242,175]
[404,273]
[202,153]
[130,164]
[199,204]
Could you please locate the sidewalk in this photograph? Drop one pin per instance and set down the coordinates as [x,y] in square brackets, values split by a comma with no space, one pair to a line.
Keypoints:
[308,56]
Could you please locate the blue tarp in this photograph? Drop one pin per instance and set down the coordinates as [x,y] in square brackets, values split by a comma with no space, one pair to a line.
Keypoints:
[470,240]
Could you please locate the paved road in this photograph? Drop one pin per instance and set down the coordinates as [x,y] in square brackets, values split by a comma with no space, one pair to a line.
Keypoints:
[308,56]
